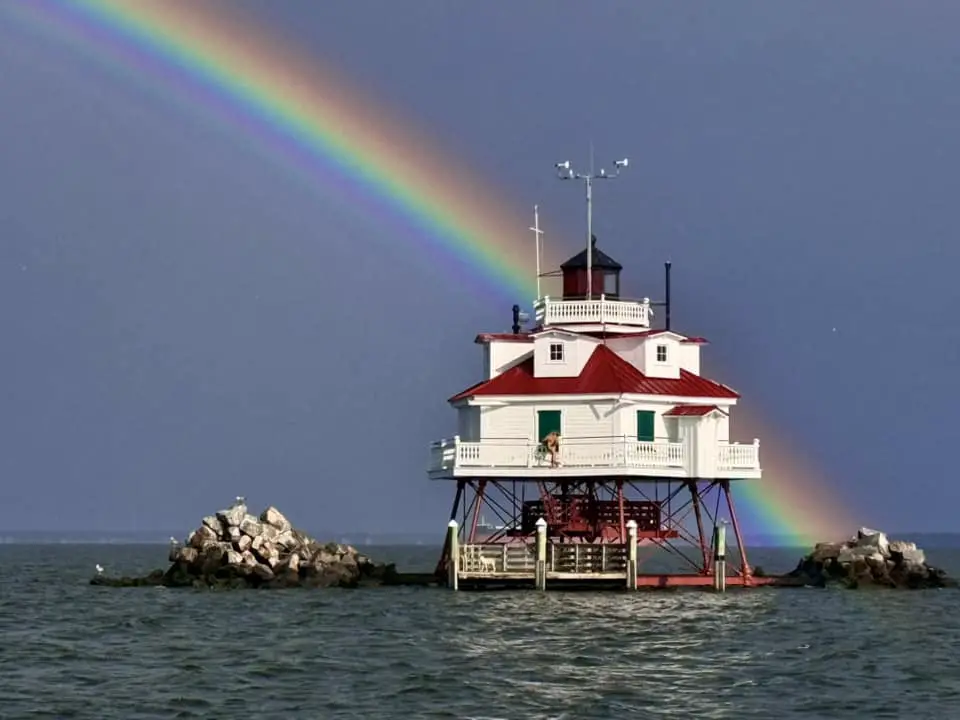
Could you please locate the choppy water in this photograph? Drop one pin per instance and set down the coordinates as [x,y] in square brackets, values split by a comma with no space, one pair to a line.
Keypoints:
[69,650]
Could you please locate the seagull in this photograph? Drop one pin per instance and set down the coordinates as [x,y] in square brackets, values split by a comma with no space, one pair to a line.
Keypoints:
[241,500]
[174,541]
[99,569]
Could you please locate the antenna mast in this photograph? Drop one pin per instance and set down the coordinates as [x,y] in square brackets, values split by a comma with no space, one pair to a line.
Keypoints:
[564,172]
[537,232]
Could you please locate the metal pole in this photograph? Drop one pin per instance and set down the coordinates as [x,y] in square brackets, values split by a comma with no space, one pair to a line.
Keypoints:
[631,554]
[537,232]
[589,181]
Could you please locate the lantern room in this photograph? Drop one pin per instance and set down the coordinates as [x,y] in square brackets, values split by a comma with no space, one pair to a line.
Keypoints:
[605,271]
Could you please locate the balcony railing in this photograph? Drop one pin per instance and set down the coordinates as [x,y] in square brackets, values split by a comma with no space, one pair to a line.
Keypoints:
[453,454]
[603,311]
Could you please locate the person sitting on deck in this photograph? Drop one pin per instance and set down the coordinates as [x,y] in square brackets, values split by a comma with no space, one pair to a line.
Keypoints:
[551,443]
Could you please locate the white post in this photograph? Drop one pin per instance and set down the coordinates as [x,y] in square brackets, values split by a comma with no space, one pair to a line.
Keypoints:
[540,575]
[631,554]
[453,559]
[720,556]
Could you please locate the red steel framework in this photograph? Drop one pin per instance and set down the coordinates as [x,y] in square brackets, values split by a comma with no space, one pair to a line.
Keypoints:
[675,515]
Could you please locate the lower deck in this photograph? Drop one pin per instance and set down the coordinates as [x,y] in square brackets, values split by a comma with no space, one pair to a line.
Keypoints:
[578,566]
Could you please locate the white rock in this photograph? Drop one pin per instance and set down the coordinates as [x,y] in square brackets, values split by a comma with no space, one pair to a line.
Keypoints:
[273,517]
[248,559]
[234,534]
[268,532]
[234,558]
[293,563]
[243,543]
[257,543]
[873,539]
[899,546]
[851,554]
[233,516]
[914,557]
[213,523]
[251,526]
[285,540]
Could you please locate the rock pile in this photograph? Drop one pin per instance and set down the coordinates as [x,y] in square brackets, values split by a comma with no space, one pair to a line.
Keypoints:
[233,548]
[870,559]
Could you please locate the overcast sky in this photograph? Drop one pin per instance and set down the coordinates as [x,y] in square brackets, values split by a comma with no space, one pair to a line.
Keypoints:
[183,320]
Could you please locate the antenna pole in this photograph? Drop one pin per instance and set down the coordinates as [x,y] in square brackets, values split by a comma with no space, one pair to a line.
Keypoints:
[564,172]
[537,232]
[589,184]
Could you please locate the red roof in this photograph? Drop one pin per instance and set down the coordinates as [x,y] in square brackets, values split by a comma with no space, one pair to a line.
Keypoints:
[692,410]
[605,373]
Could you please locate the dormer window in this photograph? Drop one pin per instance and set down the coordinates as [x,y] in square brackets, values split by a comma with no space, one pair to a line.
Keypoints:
[661,353]
[556,352]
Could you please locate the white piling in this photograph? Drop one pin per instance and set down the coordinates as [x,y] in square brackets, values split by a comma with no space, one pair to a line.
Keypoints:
[631,554]
[720,556]
[453,558]
[540,574]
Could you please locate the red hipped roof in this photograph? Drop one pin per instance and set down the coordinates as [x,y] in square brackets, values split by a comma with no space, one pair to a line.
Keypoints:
[605,373]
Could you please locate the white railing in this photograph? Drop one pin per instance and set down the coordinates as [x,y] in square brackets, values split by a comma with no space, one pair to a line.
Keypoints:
[607,453]
[588,452]
[579,558]
[734,456]
[552,311]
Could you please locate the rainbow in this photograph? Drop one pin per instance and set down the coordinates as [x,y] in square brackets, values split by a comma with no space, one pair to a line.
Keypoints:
[301,115]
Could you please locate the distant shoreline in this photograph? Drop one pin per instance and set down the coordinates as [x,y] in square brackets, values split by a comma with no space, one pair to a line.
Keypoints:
[93,537]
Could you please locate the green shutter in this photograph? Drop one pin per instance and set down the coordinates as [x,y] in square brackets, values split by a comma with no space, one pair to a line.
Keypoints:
[548,421]
[645,424]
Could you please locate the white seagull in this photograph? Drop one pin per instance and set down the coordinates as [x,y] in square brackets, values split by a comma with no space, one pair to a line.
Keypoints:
[99,569]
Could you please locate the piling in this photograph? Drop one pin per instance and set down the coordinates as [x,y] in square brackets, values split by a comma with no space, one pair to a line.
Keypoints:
[720,557]
[540,574]
[453,560]
[631,554]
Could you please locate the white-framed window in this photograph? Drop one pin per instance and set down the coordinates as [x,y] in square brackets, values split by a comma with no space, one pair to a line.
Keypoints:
[610,283]
[556,352]
[661,353]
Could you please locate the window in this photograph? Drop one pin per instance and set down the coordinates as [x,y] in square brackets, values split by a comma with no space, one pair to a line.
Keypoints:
[661,353]
[556,352]
[610,283]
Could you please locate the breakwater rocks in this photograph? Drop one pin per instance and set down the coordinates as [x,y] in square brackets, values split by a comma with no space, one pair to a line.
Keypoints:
[869,559]
[234,549]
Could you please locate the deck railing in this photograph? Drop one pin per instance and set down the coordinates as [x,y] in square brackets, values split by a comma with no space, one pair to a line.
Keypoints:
[734,456]
[612,453]
[586,452]
[556,311]
[521,558]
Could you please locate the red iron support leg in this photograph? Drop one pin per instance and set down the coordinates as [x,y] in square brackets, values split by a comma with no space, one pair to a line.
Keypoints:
[704,546]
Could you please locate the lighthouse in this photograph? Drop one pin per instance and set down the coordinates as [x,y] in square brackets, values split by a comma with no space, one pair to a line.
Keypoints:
[591,439]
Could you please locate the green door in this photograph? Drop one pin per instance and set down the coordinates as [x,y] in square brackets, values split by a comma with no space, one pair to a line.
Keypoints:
[548,421]
[645,422]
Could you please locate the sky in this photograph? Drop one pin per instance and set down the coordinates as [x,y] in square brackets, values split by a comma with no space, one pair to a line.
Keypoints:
[185,320]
